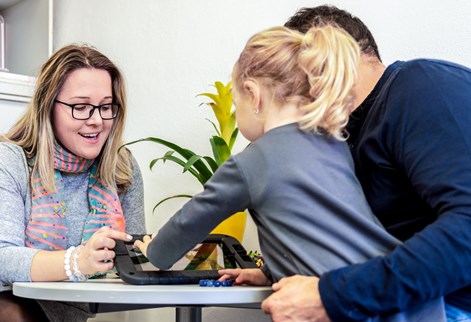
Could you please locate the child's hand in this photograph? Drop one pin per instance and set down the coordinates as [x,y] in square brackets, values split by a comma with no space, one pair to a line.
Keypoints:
[142,245]
[251,276]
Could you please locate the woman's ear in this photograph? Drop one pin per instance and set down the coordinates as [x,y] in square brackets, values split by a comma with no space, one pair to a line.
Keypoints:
[253,91]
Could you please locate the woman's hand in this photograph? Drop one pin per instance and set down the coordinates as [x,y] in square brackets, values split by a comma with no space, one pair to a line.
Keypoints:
[251,276]
[142,245]
[97,254]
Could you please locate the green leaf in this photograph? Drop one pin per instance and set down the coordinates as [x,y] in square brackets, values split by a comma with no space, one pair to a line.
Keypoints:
[220,149]
[200,166]
[214,166]
[191,161]
[168,198]
[233,138]
[171,152]
[201,178]
[215,127]
[164,158]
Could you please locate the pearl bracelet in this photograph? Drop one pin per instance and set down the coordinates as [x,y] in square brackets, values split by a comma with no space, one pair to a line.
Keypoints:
[80,277]
[67,269]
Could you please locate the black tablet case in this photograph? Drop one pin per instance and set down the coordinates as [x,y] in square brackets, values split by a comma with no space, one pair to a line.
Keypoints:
[129,272]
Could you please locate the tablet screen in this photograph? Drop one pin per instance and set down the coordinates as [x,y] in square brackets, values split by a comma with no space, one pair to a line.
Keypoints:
[204,256]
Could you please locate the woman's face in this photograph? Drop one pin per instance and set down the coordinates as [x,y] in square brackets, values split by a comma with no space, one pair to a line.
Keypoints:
[84,138]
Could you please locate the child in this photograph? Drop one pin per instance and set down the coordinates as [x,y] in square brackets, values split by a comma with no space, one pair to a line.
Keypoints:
[293,95]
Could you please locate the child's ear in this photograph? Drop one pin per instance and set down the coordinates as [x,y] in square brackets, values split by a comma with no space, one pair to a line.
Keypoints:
[252,90]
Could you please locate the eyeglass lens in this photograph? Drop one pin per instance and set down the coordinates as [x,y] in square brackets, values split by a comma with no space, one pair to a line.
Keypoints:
[85,111]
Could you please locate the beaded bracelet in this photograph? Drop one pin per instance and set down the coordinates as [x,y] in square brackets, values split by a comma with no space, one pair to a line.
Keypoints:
[80,277]
[67,269]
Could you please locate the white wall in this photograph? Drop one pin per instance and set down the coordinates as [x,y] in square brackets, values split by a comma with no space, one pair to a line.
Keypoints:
[171,50]
[11,111]
[26,27]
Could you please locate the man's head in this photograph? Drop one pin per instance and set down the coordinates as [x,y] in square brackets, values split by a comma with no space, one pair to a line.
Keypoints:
[306,18]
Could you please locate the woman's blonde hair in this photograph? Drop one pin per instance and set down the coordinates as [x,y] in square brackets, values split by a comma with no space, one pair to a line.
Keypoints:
[34,131]
[316,71]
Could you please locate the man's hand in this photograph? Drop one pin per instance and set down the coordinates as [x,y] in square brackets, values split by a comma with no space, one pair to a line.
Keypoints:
[296,298]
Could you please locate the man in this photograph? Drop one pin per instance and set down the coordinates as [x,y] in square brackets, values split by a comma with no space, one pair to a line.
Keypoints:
[410,137]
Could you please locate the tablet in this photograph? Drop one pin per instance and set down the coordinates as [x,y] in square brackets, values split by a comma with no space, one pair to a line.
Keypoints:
[202,262]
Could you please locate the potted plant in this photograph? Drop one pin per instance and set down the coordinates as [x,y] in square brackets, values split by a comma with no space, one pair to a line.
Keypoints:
[203,167]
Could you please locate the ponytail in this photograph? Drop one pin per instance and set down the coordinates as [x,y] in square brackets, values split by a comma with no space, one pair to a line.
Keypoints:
[329,57]
[316,71]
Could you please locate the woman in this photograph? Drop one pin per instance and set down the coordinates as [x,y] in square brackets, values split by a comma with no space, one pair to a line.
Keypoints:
[66,190]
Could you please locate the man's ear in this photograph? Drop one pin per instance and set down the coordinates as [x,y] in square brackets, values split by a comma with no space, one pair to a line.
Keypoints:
[253,91]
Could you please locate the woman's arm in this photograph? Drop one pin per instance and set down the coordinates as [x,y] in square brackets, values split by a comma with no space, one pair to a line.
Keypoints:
[21,263]
[95,256]
[15,258]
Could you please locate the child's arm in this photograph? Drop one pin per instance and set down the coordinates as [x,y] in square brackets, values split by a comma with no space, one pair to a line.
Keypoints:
[251,276]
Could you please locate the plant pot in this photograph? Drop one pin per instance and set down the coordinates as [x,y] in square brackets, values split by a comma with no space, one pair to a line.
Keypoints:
[233,226]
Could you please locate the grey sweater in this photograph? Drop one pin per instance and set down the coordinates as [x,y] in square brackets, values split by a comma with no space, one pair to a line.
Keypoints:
[308,206]
[303,195]
[15,210]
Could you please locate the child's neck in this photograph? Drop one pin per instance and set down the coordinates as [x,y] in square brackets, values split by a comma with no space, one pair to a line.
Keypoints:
[279,115]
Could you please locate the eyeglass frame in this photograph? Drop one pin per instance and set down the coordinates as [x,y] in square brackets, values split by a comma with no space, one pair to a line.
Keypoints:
[72,106]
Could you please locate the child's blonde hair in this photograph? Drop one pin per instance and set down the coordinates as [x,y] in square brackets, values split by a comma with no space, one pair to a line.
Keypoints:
[316,71]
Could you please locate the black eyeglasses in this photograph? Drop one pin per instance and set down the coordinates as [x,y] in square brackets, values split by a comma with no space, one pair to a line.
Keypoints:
[84,111]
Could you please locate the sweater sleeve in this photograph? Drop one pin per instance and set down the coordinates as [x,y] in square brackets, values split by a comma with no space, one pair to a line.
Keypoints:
[224,194]
[426,132]
[15,258]
[132,203]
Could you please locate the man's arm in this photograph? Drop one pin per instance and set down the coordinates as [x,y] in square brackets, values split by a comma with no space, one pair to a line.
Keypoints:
[427,137]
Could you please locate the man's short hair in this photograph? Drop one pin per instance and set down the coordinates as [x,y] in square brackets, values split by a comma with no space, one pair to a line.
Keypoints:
[305,18]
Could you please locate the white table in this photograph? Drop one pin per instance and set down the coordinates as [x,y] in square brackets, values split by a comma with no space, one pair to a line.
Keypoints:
[188,299]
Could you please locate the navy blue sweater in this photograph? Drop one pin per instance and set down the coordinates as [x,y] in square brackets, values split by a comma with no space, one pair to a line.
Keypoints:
[411,143]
